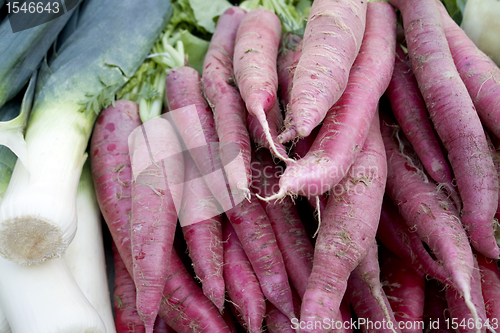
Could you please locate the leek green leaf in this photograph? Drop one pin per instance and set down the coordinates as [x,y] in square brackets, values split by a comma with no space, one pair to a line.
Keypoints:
[21,53]
[12,131]
[7,158]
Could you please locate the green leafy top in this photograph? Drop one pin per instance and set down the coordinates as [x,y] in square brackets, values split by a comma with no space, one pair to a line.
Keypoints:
[179,44]
[455,8]
[195,15]
[292,13]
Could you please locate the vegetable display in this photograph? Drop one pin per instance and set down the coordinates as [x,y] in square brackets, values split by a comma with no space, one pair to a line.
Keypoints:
[306,166]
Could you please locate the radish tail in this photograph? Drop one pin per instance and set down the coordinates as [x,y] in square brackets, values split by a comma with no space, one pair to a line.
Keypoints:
[261,116]
[281,193]
[318,211]
[287,135]
[470,305]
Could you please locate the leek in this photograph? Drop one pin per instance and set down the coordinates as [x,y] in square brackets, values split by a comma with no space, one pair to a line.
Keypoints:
[7,157]
[22,52]
[7,161]
[4,324]
[45,298]
[481,22]
[50,299]
[85,255]
[147,86]
[38,214]
[12,130]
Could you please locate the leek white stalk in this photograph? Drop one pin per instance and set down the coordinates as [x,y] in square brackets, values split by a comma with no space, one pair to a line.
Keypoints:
[481,22]
[45,298]
[85,254]
[4,324]
[38,214]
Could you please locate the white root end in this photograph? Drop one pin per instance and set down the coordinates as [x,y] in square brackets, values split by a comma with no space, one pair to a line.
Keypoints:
[246,192]
[30,240]
[261,116]
[377,294]
[287,135]
[148,328]
[281,193]
[318,211]
[471,307]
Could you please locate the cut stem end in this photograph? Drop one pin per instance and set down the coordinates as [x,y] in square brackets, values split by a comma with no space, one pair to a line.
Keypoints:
[30,240]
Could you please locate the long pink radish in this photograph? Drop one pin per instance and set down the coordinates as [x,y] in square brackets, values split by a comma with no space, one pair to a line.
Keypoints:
[195,122]
[285,68]
[490,286]
[367,309]
[127,318]
[290,233]
[205,250]
[480,74]
[277,322]
[405,291]
[184,307]
[347,230]
[332,40]
[243,287]
[287,63]
[411,114]
[201,224]
[300,149]
[456,121]
[428,211]
[157,170]
[254,61]
[462,319]
[288,58]
[254,230]
[345,317]
[112,174]
[111,171]
[225,100]
[347,123]
[161,326]
[343,323]
[368,297]
[401,239]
